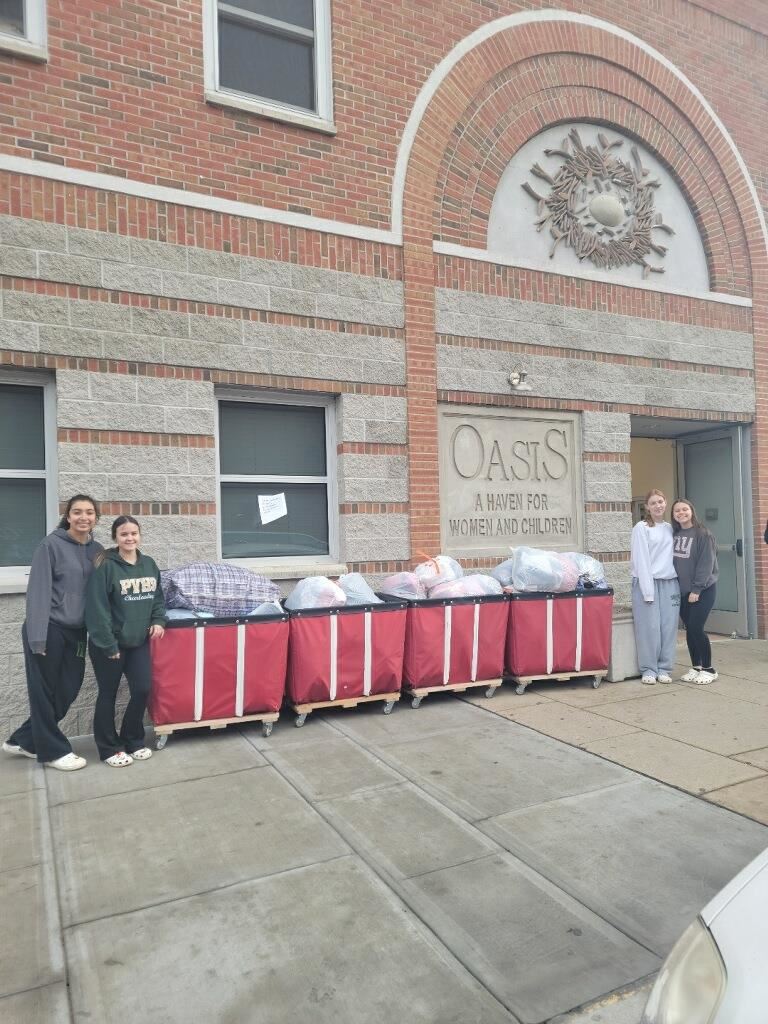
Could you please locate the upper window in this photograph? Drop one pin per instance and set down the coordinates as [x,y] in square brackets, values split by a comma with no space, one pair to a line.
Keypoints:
[270,449]
[27,494]
[22,28]
[271,56]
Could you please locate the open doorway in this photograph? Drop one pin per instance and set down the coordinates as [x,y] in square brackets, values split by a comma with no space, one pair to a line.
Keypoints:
[682,457]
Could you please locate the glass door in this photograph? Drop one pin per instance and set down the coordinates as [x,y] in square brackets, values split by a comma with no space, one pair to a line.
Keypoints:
[709,472]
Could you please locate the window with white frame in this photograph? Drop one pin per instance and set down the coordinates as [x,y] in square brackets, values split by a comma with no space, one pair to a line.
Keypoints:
[28,499]
[271,56]
[22,27]
[270,447]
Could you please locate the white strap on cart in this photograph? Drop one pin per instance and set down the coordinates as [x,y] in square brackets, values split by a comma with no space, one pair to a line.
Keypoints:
[550,640]
[199,663]
[475,640]
[367,655]
[334,656]
[447,629]
[578,632]
[240,671]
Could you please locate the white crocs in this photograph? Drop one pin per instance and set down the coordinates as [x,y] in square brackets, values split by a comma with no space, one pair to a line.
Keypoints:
[119,760]
[142,754]
[690,676]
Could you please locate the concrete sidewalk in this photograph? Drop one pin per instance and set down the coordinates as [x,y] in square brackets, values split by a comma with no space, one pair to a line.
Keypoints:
[446,865]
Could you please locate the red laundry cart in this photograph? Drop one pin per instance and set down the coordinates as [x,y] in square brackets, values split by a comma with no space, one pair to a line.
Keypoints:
[217,672]
[454,644]
[559,636]
[345,656]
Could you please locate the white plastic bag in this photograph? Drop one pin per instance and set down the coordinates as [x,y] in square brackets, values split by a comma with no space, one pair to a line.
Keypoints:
[405,585]
[476,585]
[268,608]
[357,589]
[503,572]
[442,569]
[536,571]
[591,572]
[315,592]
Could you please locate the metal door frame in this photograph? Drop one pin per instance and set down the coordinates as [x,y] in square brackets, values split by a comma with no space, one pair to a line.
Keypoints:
[733,623]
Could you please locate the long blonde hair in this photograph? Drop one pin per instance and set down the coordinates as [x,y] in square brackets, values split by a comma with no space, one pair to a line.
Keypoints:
[647,517]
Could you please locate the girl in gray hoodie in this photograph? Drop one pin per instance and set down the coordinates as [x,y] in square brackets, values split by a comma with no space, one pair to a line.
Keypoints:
[53,635]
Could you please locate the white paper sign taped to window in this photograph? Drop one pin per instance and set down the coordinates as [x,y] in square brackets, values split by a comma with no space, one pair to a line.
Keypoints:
[271,507]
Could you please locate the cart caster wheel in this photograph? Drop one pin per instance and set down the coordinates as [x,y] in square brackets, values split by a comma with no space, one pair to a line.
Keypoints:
[596,682]
[161,741]
[519,688]
[490,691]
[266,728]
[300,720]
[388,707]
[415,702]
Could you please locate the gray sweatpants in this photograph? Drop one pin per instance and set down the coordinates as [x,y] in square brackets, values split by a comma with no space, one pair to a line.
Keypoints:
[656,625]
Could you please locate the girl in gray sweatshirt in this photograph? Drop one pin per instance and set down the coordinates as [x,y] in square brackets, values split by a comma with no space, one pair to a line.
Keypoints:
[695,556]
[53,635]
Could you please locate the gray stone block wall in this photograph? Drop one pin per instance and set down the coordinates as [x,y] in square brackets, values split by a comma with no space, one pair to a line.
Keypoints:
[605,431]
[372,418]
[52,252]
[117,401]
[607,481]
[373,478]
[75,327]
[536,323]
[368,538]
[486,371]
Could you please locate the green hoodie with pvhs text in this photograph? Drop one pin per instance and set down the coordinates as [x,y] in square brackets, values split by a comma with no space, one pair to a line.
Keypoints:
[122,601]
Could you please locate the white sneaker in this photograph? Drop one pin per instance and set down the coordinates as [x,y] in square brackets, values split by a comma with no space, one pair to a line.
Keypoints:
[648,679]
[68,763]
[14,748]
[664,678]
[690,676]
[702,678]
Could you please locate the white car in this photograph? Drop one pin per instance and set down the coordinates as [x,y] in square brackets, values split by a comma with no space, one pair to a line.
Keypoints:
[717,972]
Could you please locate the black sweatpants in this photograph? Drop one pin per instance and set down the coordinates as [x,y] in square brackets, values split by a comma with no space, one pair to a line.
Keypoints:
[694,617]
[133,662]
[53,683]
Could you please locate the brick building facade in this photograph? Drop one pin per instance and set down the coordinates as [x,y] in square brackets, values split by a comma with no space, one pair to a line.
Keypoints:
[204,255]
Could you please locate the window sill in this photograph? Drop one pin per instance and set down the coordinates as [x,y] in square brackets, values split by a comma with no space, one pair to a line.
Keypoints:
[270,110]
[14,581]
[20,47]
[283,571]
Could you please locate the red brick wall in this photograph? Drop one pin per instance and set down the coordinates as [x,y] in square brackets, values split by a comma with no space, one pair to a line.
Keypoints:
[122,94]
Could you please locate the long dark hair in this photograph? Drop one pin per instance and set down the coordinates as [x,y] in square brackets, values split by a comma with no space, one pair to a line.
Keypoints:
[64,521]
[696,523]
[120,521]
[647,517]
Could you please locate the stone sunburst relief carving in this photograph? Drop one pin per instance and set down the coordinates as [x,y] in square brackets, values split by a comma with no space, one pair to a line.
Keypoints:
[601,206]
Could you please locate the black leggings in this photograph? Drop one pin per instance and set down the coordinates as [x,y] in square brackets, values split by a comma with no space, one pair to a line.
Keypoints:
[134,664]
[694,617]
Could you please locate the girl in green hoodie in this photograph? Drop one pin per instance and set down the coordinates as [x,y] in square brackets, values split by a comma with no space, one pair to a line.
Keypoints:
[124,607]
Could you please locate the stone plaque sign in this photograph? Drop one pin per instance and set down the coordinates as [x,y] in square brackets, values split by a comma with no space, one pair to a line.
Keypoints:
[509,478]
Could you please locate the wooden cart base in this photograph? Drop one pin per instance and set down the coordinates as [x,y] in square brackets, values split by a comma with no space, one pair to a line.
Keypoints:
[267,719]
[596,674]
[302,710]
[418,693]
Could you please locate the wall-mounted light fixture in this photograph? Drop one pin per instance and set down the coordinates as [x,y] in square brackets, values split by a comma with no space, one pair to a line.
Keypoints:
[518,380]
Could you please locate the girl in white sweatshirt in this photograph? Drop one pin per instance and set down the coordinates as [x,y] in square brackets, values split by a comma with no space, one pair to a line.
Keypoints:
[655,592]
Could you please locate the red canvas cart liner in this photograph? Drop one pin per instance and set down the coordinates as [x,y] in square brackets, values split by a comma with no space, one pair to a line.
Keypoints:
[455,641]
[338,654]
[550,634]
[214,669]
